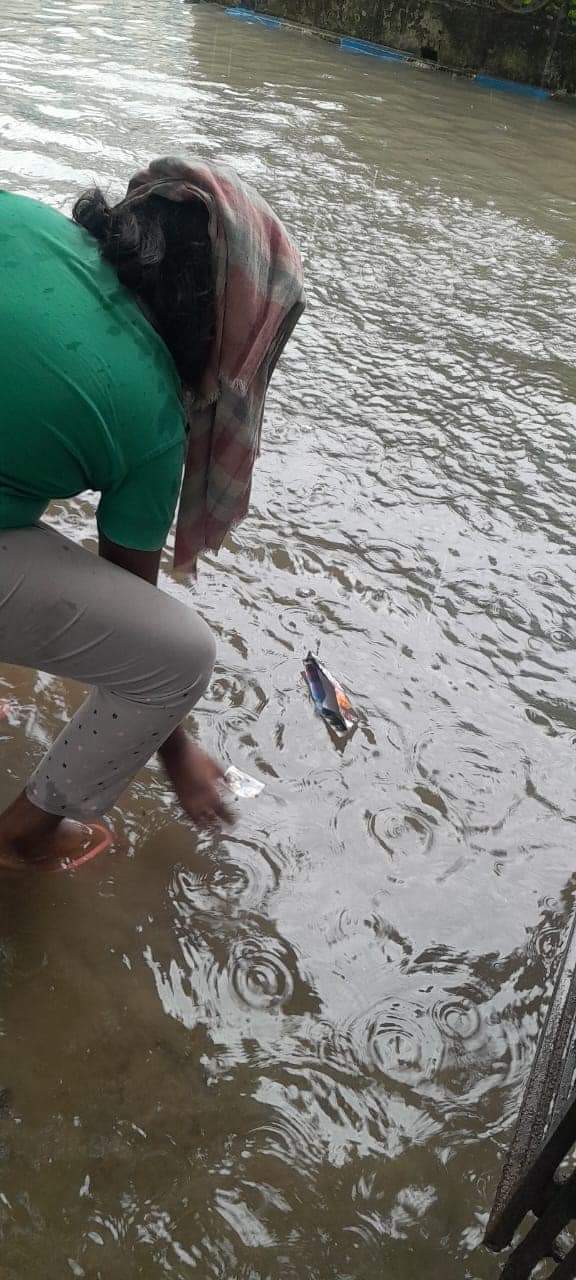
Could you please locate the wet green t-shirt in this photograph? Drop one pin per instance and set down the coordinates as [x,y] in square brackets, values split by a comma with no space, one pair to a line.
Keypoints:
[89,394]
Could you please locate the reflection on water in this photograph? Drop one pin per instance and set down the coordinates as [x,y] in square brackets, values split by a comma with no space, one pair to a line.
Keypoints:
[297,1050]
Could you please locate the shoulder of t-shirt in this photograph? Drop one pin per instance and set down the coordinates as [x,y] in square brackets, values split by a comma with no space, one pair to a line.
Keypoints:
[29,209]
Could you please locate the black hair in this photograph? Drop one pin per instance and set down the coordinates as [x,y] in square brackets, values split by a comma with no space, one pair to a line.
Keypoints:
[160,249]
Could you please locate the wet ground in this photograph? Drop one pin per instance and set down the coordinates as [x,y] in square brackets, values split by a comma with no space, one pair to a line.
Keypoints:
[297,1050]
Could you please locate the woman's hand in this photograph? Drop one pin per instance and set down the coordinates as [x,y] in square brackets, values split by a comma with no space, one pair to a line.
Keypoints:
[197,780]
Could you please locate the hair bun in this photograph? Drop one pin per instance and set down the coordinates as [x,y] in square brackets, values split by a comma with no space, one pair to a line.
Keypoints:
[160,249]
[93,212]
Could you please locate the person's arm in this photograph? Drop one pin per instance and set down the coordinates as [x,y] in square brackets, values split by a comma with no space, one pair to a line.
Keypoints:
[195,777]
[145,564]
[142,509]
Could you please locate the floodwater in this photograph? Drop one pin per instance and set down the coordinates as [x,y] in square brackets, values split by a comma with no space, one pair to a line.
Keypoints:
[296,1050]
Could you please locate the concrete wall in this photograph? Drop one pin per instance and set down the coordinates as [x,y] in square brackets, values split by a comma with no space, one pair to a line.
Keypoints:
[478,35]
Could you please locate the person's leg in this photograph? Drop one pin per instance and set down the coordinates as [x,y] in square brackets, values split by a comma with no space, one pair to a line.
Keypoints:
[148,657]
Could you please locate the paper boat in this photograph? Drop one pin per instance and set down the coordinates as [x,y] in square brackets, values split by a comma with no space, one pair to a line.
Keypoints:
[329,697]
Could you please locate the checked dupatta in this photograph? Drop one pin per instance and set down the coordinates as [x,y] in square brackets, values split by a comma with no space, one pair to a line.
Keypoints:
[259,297]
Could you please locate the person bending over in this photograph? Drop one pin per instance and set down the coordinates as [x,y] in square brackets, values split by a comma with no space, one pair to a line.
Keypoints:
[136,345]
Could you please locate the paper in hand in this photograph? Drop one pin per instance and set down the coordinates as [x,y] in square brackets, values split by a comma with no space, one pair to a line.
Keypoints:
[242,785]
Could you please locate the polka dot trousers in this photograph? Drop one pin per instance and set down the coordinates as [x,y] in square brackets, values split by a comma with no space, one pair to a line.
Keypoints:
[147,657]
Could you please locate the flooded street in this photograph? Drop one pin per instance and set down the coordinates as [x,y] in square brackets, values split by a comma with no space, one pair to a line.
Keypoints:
[295,1051]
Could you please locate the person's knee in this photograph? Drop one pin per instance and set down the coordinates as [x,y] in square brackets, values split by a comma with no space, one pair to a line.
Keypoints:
[193,659]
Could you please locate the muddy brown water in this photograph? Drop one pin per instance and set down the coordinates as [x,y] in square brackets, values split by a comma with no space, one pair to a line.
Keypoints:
[297,1050]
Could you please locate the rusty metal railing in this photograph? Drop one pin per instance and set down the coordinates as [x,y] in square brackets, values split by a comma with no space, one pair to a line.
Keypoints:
[537,1190]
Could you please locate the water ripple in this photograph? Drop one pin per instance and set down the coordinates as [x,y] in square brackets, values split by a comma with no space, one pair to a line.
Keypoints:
[399,1040]
[456,1019]
[260,976]
[402,831]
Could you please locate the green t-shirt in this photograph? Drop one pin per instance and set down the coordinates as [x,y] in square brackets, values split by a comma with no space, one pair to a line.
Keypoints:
[89,394]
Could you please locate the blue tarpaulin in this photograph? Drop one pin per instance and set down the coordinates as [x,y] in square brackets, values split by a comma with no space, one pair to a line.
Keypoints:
[373,50]
[250,16]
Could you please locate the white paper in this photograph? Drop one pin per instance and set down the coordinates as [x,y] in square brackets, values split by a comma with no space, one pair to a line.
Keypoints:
[242,785]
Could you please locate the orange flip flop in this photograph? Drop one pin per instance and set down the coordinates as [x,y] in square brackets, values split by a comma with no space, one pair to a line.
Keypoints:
[54,866]
[70,864]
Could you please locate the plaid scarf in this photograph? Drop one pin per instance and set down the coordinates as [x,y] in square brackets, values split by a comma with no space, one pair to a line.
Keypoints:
[259,297]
